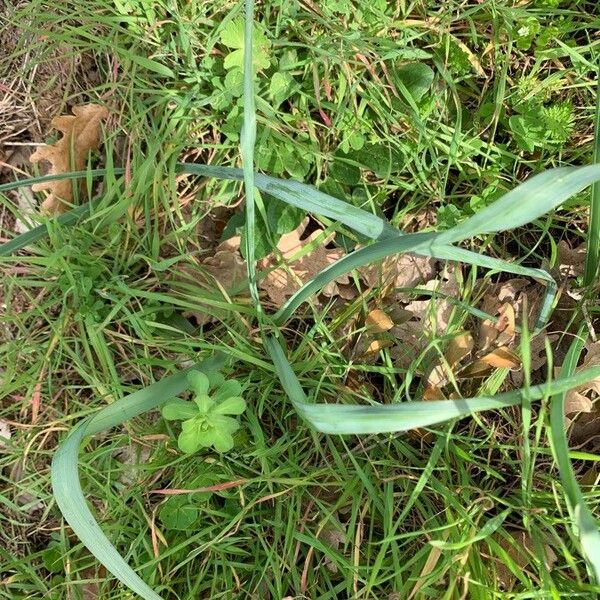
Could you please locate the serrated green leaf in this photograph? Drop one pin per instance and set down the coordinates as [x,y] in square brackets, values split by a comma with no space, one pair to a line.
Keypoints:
[232,36]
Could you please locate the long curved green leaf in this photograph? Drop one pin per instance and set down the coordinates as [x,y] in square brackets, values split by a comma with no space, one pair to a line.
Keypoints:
[389,418]
[528,201]
[585,523]
[65,479]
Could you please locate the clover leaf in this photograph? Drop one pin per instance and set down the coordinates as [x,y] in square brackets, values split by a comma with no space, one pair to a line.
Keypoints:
[206,420]
[232,36]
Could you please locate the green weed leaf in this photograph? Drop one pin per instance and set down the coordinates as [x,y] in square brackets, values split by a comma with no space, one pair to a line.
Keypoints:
[177,513]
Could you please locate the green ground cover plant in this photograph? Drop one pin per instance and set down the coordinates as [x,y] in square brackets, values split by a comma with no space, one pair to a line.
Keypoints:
[372,538]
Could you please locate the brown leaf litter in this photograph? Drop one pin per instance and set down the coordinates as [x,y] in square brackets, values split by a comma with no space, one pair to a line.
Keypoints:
[286,270]
[521,550]
[81,135]
[281,282]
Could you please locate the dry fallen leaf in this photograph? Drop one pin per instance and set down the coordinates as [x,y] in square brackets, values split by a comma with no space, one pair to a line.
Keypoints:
[584,426]
[500,358]
[500,333]
[81,135]
[5,434]
[458,348]
[226,265]
[570,261]
[434,313]
[585,429]
[399,271]
[334,537]
[513,292]
[576,397]
[378,321]
[281,283]
[577,403]
[521,550]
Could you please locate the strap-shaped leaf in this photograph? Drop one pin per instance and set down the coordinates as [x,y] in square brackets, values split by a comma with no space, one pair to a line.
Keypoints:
[65,479]
[585,524]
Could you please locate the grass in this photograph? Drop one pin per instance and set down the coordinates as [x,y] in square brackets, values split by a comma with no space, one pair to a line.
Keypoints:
[318,516]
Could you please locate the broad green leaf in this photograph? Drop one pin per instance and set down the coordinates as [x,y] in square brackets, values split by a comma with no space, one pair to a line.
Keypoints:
[416,78]
[179,410]
[280,87]
[232,387]
[204,403]
[178,513]
[281,217]
[231,406]
[378,158]
[228,424]
[189,438]
[215,378]
[232,36]
[343,171]
[199,382]
[223,442]
[234,82]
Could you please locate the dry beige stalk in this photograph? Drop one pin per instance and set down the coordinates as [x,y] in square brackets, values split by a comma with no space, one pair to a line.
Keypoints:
[81,134]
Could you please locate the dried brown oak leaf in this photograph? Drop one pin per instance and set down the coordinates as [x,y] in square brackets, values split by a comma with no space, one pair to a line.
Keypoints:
[81,135]
[576,400]
[570,261]
[399,271]
[226,265]
[280,283]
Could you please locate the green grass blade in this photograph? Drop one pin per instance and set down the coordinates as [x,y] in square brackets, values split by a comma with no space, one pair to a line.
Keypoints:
[592,259]
[248,141]
[65,479]
[585,523]
[391,418]
[419,243]
[307,198]
[528,201]
[71,501]
[294,193]
[69,218]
